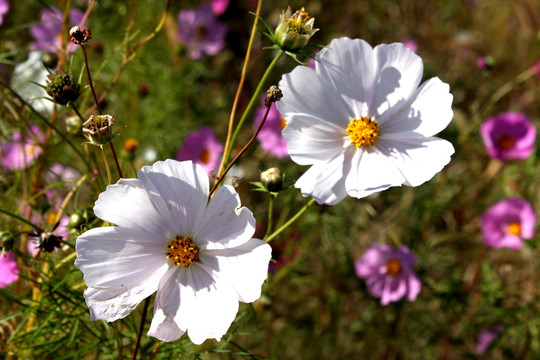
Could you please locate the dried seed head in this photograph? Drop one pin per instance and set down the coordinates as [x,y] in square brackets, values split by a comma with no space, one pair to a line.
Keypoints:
[98,129]
[273,94]
[80,36]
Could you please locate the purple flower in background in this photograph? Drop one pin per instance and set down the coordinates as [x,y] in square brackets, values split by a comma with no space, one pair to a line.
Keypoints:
[507,223]
[8,269]
[202,148]
[486,337]
[509,135]
[200,31]
[219,6]
[21,151]
[4,8]
[270,135]
[411,44]
[48,34]
[388,273]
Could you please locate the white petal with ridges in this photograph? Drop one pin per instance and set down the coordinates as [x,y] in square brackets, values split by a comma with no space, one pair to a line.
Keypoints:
[244,267]
[225,222]
[179,191]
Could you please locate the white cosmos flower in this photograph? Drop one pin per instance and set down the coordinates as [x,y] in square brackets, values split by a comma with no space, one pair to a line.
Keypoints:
[214,262]
[363,122]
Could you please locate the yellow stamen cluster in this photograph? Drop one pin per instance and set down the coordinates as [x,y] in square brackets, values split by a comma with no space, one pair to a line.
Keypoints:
[182,251]
[393,268]
[363,131]
[514,228]
[297,22]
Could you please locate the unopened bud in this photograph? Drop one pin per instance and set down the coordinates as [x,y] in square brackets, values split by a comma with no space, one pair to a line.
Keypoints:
[294,30]
[272,180]
[50,60]
[76,220]
[73,125]
[131,145]
[98,129]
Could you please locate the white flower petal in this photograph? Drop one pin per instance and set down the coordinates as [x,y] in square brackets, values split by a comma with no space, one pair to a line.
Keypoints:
[111,304]
[118,257]
[174,301]
[370,172]
[426,113]
[420,160]
[399,71]
[225,222]
[348,66]
[310,140]
[179,191]
[244,267]
[325,181]
[127,204]
[215,308]
[305,93]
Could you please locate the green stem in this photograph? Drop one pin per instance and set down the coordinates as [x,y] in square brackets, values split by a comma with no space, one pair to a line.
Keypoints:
[107,168]
[288,223]
[270,216]
[253,101]
[21,219]
[74,107]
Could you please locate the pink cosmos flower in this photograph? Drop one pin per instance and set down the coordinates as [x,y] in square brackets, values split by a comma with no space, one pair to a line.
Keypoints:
[201,32]
[507,223]
[8,269]
[270,135]
[48,34]
[203,148]
[411,44]
[509,135]
[388,273]
[219,6]
[4,8]
[21,151]
[486,337]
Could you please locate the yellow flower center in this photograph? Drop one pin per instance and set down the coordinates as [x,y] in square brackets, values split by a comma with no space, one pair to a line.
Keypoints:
[393,268]
[506,142]
[297,22]
[182,251]
[363,131]
[51,218]
[205,156]
[514,228]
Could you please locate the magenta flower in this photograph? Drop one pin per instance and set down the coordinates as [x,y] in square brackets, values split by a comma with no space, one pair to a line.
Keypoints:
[507,223]
[8,269]
[509,135]
[270,135]
[411,44]
[201,32]
[21,151]
[48,34]
[219,6]
[202,148]
[388,273]
[486,337]
[4,8]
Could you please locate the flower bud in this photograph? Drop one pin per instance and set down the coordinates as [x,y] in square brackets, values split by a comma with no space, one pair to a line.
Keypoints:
[294,30]
[6,240]
[73,124]
[131,145]
[98,129]
[272,180]
[62,88]
[76,220]
[50,60]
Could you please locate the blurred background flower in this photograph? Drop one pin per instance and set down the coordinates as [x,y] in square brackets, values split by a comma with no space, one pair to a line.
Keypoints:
[48,34]
[201,32]
[509,135]
[270,136]
[203,148]
[8,269]
[4,8]
[486,337]
[388,273]
[507,223]
[22,150]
